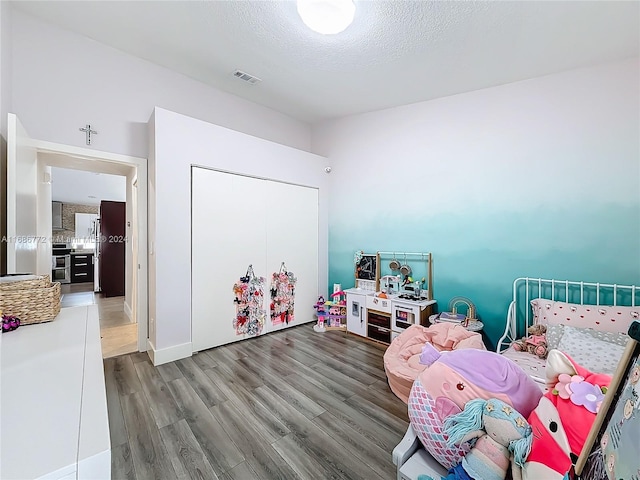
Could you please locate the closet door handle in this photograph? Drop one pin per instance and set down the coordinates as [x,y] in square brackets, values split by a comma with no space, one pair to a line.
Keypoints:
[361,317]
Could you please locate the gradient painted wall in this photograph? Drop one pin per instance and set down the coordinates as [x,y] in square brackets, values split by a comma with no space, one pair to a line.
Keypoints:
[535,178]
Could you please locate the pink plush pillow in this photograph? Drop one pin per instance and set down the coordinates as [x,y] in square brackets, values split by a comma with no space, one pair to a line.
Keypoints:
[454,378]
[605,318]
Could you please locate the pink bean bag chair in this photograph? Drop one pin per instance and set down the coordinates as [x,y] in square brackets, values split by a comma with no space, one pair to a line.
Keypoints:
[402,358]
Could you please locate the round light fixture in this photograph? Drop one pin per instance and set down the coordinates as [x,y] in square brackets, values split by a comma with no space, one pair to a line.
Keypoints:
[326,16]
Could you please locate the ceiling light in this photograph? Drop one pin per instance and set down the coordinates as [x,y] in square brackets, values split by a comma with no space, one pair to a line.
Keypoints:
[326,16]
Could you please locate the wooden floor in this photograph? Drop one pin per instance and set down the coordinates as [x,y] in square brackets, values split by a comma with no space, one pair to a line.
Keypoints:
[119,335]
[288,405]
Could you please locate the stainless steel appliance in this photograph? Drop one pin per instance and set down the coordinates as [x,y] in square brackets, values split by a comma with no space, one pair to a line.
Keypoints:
[56,215]
[61,263]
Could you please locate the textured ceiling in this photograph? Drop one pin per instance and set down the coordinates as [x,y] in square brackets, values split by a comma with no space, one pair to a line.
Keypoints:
[395,52]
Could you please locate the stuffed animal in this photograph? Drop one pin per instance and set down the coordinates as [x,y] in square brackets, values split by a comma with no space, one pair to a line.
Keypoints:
[563,418]
[535,343]
[504,439]
[451,380]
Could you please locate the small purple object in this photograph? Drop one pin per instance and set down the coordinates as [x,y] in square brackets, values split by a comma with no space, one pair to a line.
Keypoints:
[429,354]
[9,323]
[587,395]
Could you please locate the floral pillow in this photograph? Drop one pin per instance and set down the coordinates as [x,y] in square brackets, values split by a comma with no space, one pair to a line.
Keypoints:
[599,317]
[592,353]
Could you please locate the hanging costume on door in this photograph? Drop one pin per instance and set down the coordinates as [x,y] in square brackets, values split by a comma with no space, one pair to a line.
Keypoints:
[283,285]
[249,297]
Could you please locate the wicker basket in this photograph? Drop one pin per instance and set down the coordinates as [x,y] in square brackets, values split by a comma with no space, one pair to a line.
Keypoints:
[32,301]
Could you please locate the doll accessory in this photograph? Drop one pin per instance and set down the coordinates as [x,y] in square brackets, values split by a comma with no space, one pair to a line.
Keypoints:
[248,298]
[282,291]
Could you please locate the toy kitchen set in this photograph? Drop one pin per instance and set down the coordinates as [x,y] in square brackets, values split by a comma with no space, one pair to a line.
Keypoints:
[382,307]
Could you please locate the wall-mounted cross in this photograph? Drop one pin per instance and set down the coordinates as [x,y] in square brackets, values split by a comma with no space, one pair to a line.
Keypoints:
[87,130]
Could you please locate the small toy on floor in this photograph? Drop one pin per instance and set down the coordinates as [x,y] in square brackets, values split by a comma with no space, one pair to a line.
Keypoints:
[535,343]
[9,323]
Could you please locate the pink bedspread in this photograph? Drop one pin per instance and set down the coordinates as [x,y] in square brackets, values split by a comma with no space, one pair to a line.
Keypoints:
[402,357]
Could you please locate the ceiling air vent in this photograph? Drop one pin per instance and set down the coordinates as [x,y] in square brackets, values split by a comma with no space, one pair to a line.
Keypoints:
[246,77]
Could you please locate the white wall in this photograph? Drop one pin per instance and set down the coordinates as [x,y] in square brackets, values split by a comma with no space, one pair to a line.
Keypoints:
[128,254]
[5,65]
[5,107]
[180,142]
[151,234]
[44,219]
[62,80]
[534,178]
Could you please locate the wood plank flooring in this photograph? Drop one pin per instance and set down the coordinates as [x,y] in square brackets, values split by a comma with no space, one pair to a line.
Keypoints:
[119,335]
[289,405]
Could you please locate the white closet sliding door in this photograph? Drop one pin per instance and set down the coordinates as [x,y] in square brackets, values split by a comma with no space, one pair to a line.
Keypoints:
[228,233]
[237,221]
[292,237]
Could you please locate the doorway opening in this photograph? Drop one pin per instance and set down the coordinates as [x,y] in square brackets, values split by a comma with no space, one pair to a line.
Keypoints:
[114,184]
[30,213]
[90,208]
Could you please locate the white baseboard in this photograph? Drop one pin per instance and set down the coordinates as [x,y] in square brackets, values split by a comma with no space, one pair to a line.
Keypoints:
[169,354]
[128,312]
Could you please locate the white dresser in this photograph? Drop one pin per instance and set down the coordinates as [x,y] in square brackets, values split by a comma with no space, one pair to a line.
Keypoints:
[53,412]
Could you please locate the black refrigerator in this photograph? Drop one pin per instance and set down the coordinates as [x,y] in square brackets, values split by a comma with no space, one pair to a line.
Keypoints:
[112,247]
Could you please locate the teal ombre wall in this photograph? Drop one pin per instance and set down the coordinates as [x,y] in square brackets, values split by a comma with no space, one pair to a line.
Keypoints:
[534,178]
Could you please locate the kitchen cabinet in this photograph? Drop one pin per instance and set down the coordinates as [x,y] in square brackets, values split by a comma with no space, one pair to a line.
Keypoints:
[357,311]
[81,267]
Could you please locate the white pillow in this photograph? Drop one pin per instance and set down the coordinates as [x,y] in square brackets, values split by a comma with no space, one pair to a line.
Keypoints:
[593,354]
[555,332]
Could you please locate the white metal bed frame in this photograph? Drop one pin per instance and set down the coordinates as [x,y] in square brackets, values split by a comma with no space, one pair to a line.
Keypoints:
[526,289]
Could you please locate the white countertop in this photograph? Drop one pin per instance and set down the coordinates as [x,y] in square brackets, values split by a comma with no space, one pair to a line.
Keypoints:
[360,291]
[45,368]
[421,303]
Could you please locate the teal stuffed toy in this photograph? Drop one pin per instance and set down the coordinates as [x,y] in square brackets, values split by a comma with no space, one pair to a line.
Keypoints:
[503,438]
